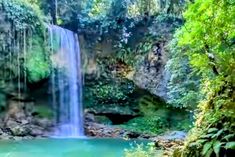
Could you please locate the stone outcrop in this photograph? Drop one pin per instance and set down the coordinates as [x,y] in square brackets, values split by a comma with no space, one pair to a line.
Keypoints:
[19,122]
[94,129]
[151,74]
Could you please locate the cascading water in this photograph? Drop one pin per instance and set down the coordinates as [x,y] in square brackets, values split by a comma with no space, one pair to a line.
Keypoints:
[66,82]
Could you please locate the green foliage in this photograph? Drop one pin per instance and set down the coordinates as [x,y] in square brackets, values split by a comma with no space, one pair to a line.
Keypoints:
[22,21]
[230,145]
[184,84]
[99,8]
[112,92]
[214,141]
[157,118]
[43,111]
[143,151]
[134,47]
[152,7]
[3,101]
[109,93]
[37,64]
[108,88]
[159,121]
[152,124]
[208,40]
[131,56]
[103,120]
[142,7]
[23,15]
[149,104]
[103,19]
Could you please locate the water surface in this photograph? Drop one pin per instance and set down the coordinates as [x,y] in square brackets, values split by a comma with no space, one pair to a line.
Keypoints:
[66,148]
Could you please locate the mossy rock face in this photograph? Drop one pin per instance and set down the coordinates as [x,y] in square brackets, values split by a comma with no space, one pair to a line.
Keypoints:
[114,96]
[150,103]
[103,120]
[22,42]
[157,118]
[109,93]
[22,14]
[37,61]
[113,109]
[43,111]
[148,124]
[3,102]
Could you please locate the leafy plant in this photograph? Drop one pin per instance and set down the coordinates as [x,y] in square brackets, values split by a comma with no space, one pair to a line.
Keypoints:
[43,111]
[211,55]
[23,15]
[143,151]
[215,141]
[37,62]
[184,84]
[151,124]
[24,21]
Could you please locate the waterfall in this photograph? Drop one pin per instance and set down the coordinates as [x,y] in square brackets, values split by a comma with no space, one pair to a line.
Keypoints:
[66,82]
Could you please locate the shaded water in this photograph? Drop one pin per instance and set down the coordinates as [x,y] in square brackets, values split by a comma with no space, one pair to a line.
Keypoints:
[66,148]
[66,82]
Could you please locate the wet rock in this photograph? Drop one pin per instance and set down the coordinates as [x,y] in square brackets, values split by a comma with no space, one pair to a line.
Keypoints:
[25,130]
[18,130]
[94,129]
[151,74]
[116,114]
[36,131]
[173,135]
[89,117]
[6,137]
[1,132]
[24,122]
[19,123]
[181,135]
[43,122]
[10,124]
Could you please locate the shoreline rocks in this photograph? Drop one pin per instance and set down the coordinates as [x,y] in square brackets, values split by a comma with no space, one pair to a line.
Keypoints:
[18,122]
[31,128]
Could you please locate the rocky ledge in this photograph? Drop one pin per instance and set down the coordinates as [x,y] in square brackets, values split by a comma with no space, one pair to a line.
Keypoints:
[94,129]
[24,129]
[20,122]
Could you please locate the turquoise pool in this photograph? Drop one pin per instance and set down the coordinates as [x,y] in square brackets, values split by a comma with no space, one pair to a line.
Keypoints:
[66,148]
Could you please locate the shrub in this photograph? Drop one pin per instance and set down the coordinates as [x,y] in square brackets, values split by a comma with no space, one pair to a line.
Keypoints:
[143,151]
[152,124]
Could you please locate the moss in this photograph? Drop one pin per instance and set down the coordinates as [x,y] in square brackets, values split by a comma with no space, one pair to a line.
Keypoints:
[103,120]
[22,25]
[23,15]
[149,104]
[108,88]
[157,117]
[37,62]
[43,111]
[2,102]
[149,124]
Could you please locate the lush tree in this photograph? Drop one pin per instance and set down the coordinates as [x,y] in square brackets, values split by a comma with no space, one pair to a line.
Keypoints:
[22,23]
[208,39]
[184,84]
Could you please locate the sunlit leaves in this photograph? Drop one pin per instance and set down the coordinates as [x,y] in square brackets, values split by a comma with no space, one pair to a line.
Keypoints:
[22,14]
[207,38]
[183,86]
[37,65]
